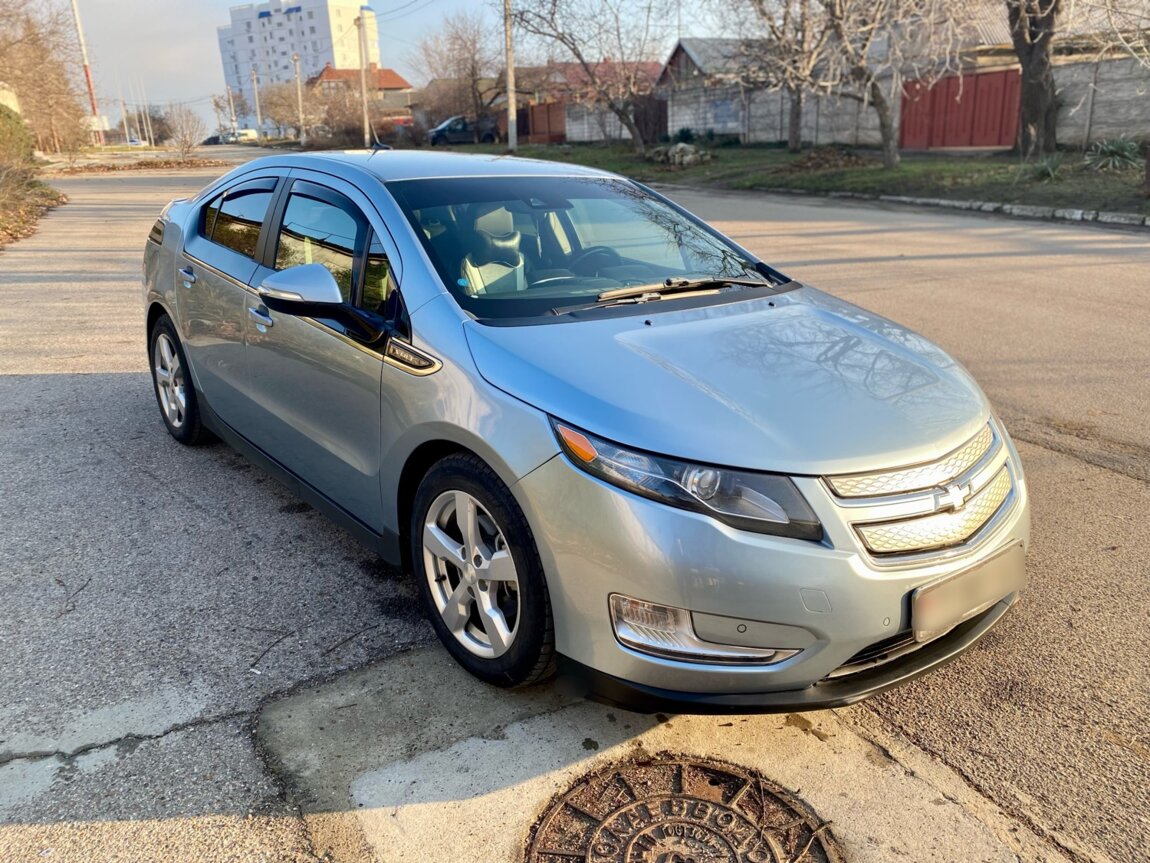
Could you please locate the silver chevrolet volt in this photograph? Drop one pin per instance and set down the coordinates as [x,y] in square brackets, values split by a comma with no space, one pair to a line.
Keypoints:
[601,436]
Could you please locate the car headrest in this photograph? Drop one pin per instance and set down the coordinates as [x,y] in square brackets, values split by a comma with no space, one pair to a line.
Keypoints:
[503,250]
[496,222]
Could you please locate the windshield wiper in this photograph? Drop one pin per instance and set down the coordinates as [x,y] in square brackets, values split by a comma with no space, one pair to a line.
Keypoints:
[656,291]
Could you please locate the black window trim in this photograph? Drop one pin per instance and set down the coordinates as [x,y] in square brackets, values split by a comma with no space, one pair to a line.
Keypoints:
[263,184]
[316,191]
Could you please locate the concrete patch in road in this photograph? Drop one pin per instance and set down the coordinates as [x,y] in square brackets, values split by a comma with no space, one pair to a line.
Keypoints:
[412,760]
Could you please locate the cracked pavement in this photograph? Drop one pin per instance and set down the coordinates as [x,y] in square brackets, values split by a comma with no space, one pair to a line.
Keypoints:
[160,607]
[153,597]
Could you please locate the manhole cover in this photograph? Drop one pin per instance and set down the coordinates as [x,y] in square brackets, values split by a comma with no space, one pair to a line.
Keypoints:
[672,809]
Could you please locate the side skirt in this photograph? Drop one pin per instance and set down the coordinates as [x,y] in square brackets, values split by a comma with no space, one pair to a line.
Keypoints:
[386,544]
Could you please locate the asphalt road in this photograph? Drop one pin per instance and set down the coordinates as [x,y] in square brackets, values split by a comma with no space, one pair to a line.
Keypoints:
[152,598]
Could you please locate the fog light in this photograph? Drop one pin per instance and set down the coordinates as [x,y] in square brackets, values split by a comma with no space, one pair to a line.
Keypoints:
[663,630]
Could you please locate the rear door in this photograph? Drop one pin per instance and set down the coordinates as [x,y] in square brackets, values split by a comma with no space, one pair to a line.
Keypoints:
[218,261]
[314,388]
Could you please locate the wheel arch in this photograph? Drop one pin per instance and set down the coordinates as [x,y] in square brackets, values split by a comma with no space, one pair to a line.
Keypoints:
[155,310]
[415,468]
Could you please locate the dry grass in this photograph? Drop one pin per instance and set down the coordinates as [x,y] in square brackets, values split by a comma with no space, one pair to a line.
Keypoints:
[23,200]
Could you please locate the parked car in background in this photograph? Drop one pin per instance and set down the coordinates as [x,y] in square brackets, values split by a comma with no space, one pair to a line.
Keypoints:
[599,433]
[460,130]
[240,136]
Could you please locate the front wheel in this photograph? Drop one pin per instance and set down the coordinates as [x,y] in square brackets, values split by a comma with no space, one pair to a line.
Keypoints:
[479,574]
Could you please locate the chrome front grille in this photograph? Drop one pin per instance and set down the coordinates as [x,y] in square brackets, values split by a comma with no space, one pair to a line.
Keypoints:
[922,476]
[941,530]
[929,509]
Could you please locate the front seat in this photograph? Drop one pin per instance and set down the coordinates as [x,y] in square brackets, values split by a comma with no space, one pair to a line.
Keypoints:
[494,265]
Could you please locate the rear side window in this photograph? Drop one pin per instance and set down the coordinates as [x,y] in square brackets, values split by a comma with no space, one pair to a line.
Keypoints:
[234,219]
[324,231]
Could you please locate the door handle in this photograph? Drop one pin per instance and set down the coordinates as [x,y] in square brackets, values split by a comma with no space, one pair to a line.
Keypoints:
[260,317]
[188,276]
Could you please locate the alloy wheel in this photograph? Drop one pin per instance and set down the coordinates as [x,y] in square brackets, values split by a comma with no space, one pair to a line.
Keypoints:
[170,385]
[471,574]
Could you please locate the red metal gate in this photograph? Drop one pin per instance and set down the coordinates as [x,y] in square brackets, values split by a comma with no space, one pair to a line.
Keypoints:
[978,110]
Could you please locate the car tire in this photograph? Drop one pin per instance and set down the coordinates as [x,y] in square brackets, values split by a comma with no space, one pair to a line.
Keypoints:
[498,627]
[172,384]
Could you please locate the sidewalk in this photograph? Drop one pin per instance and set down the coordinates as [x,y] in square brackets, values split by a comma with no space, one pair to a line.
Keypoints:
[412,760]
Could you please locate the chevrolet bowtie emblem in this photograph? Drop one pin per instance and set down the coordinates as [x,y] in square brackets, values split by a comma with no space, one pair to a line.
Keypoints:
[952,497]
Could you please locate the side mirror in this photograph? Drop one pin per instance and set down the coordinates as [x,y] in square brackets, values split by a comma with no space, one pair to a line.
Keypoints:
[310,291]
[297,290]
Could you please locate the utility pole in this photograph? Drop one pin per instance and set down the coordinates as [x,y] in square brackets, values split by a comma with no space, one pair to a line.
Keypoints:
[259,116]
[97,132]
[361,26]
[147,113]
[299,99]
[137,91]
[509,60]
[123,111]
[232,109]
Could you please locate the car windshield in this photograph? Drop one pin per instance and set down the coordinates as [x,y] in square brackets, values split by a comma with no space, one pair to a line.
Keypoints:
[512,247]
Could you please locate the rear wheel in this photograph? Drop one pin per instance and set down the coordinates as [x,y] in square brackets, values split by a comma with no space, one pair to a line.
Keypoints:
[479,574]
[172,381]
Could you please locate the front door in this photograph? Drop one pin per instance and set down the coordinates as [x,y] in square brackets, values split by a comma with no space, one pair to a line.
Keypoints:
[315,389]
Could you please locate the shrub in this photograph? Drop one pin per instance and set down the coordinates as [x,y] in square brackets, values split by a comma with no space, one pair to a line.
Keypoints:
[1114,154]
[1046,169]
[15,139]
[685,136]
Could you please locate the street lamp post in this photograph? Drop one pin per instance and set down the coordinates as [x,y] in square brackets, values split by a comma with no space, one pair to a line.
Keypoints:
[299,99]
[259,116]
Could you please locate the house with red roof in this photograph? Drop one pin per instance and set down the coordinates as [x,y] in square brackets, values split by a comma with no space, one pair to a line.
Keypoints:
[389,93]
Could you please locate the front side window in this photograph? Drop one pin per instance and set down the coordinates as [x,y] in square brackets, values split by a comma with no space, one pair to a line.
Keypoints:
[318,231]
[234,219]
[378,283]
[510,247]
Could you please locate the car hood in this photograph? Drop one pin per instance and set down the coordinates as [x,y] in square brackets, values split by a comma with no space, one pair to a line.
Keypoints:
[800,383]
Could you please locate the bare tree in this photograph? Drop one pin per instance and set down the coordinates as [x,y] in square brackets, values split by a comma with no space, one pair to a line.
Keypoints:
[187,127]
[878,45]
[857,49]
[340,110]
[798,35]
[615,45]
[462,62]
[1032,27]
[279,105]
[37,58]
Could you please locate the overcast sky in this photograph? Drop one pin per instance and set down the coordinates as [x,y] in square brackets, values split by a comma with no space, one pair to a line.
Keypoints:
[169,47]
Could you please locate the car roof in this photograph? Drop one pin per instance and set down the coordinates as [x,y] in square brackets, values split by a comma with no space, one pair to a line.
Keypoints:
[389,165]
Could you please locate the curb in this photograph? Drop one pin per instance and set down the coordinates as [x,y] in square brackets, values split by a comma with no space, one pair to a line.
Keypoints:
[1023,211]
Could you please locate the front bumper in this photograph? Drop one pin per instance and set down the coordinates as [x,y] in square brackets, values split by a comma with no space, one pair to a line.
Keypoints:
[837,692]
[831,597]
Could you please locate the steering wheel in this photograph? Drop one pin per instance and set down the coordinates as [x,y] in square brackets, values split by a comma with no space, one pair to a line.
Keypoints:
[609,255]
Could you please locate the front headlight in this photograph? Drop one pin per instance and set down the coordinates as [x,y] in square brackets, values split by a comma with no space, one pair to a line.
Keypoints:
[761,502]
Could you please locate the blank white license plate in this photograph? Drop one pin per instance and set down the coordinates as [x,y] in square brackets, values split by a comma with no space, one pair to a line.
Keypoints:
[943,605]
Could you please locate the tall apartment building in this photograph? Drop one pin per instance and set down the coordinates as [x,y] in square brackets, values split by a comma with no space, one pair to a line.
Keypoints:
[263,36]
